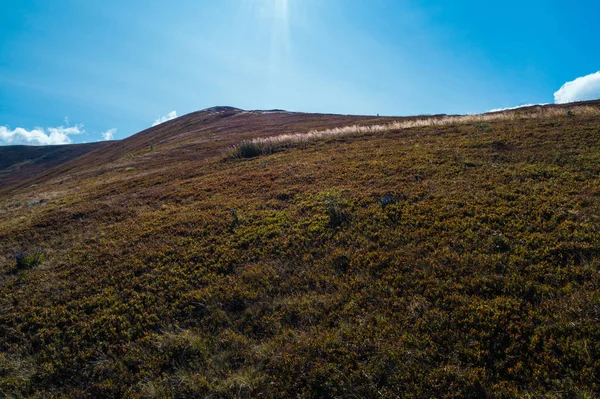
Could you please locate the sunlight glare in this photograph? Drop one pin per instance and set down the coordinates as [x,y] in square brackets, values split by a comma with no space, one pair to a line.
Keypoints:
[276,15]
[281,9]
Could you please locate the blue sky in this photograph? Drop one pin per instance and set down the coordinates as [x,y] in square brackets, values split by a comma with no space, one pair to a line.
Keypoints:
[81,71]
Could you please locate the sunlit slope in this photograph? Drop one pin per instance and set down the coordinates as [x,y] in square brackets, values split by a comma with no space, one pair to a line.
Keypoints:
[191,137]
[457,260]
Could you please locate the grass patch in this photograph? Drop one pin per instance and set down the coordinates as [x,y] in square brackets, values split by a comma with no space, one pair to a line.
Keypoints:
[28,260]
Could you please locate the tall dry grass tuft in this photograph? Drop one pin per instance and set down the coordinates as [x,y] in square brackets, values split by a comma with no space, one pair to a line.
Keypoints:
[268,145]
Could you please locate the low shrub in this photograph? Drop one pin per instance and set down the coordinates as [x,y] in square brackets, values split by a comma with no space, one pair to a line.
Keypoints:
[337,216]
[27,260]
[251,149]
[386,200]
[234,220]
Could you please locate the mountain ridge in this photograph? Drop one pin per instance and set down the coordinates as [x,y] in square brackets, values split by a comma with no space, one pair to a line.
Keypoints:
[223,125]
[182,129]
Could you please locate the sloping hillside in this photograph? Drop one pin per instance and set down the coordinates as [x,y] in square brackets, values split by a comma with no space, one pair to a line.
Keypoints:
[20,162]
[445,260]
[193,137]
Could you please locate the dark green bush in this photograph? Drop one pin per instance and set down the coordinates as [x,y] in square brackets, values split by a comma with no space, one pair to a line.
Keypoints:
[337,216]
[250,149]
[27,260]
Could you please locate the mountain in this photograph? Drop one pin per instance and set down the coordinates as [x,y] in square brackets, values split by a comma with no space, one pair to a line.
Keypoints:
[200,134]
[232,253]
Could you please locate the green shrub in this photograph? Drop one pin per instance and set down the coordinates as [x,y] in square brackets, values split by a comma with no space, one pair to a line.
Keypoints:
[251,149]
[500,243]
[337,216]
[27,260]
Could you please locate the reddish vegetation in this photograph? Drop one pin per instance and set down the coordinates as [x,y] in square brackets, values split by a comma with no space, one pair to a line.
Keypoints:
[196,136]
[20,162]
[455,261]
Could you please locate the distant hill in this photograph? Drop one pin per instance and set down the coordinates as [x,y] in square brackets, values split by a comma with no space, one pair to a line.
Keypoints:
[20,162]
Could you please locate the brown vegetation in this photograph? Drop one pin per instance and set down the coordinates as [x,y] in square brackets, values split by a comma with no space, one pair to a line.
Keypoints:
[445,260]
[19,162]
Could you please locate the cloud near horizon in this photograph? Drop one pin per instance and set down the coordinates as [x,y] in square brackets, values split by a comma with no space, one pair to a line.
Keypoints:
[512,108]
[165,118]
[109,134]
[39,136]
[581,89]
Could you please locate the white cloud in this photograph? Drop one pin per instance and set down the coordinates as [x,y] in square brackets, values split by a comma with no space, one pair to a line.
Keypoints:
[109,134]
[167,117]
[581,89]
[511,108]
[39,136]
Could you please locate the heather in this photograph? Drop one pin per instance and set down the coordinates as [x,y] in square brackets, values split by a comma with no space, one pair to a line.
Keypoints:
[444,260]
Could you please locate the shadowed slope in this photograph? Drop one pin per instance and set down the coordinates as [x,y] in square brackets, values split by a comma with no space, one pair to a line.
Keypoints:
[20,162]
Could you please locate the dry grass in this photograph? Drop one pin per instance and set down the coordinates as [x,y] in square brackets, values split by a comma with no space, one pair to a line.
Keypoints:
[267,145]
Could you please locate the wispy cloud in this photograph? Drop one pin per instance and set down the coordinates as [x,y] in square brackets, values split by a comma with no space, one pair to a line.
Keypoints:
[511,108]
[109,134]
[167,117]
[581,89]
[39,136]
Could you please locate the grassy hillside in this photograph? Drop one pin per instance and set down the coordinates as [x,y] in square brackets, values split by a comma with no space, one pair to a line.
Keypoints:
[190,138]
[20,162]
[445,260]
